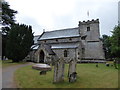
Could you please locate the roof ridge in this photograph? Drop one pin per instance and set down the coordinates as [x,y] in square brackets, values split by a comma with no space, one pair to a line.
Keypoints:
[62,29]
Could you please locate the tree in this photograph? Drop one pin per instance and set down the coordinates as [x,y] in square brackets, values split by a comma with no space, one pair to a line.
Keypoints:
[8,16]
[19,42]
[115,44]
[107,46]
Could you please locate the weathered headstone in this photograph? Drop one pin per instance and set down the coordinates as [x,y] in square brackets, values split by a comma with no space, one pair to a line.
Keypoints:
[59,71]
[96,65]
[107,64]
[72,71]
[72,77]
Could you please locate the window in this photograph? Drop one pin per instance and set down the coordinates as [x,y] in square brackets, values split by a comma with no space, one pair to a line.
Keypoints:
[88,28]
[56,40]
[65,53]
[83,50]
[83,38]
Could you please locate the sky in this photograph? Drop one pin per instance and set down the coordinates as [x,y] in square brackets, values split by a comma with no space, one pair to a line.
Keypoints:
[60,14]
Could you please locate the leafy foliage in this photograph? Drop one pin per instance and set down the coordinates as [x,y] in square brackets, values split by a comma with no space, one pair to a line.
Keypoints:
[115,42]
[107,46]
[19,42]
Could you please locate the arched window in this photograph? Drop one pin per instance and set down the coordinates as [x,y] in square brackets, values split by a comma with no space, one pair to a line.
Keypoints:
[65,53]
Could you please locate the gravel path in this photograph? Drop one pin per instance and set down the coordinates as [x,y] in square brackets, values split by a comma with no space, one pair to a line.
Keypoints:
[8,75]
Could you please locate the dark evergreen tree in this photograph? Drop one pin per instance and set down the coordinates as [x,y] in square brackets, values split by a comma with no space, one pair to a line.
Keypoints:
[20,40]
[8,14]
[8,19]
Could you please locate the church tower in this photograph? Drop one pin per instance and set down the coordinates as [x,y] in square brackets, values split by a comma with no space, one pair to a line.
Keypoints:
[90,37]
[90,29]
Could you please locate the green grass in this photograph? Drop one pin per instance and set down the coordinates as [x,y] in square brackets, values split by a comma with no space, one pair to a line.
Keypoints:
[88,76]
[0,63]
[6,63]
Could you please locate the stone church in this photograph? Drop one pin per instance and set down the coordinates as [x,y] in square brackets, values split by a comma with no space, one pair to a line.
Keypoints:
[79,43]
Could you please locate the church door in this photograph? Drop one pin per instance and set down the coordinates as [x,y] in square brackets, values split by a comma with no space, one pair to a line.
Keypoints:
[42,55]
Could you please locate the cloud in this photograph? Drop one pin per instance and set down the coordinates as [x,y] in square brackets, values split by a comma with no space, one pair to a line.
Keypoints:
[57,14]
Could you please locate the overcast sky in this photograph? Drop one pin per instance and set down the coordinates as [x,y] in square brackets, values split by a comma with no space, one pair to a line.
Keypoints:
[60,14]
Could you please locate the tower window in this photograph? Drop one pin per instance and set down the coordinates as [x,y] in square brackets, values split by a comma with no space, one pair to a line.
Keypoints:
[88,28]
[65,53]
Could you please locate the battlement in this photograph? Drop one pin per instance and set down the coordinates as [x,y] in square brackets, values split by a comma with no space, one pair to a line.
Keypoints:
[88,22]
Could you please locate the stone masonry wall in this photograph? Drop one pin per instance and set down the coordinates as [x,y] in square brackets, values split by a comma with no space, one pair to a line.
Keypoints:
[94,50]
[71,54]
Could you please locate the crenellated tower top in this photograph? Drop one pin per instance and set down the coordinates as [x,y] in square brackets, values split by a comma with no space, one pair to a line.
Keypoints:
[88,22]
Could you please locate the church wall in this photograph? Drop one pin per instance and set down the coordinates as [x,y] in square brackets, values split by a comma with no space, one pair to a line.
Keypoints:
[71,53]
[93,34]
[94,50]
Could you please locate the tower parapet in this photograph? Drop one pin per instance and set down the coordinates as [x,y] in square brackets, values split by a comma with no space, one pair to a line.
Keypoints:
[88,22]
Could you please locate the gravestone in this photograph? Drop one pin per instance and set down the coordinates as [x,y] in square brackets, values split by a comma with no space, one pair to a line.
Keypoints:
[107,64]
[72,77]
[59,71]
[72,71]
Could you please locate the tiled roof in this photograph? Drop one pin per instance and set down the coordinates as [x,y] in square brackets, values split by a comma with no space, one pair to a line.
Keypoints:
[63,33]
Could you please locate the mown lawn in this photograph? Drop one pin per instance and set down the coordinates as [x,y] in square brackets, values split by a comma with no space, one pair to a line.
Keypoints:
[0,63]
[6,63]
[88,76]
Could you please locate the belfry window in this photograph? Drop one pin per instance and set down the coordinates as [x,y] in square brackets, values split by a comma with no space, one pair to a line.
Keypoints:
[65,53]
[88,28]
